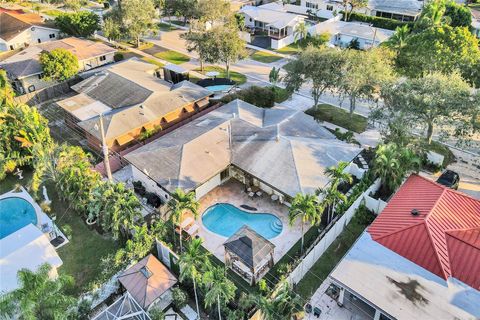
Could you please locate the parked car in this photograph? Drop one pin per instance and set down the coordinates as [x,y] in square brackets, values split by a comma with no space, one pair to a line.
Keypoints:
[449,179]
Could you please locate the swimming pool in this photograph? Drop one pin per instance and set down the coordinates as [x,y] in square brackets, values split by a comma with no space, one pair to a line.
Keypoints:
[219,87]
[15,213]
[225,219]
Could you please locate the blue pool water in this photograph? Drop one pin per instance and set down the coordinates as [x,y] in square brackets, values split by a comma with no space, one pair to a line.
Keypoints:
[225,219]
[220,87]
[15,213]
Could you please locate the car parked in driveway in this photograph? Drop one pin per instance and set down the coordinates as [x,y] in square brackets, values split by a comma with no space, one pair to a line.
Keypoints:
[450,179]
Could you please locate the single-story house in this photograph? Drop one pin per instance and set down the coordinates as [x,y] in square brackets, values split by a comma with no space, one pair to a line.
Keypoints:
[27,248]
[343,33]
[280,150]
[25,71]
[273,22]
[18,30]
[420,259]
[149,282]
[134,102]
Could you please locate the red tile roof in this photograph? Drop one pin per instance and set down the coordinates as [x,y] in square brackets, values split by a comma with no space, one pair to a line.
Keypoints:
[443,238]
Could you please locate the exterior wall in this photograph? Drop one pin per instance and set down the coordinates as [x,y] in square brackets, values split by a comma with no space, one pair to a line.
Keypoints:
[149,184]
[95,62]
[27,37]
[33,83]
[207,186]
[249,21]
[343,40]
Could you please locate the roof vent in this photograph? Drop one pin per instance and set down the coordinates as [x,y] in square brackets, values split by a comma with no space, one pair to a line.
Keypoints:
[415,212]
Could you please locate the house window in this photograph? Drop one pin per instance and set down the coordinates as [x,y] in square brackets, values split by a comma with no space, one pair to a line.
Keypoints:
[51,35]
[224,175]
[103,58]
[40,76]
[311,5]
[329,7]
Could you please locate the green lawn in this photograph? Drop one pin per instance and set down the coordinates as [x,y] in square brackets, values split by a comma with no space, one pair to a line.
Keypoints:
[81,256]
[235,76]
[322,268]
[339,117]
[166,27]
[52,12]
[264,57]
[172,56]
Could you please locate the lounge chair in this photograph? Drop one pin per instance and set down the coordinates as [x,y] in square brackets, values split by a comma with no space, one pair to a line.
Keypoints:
[317,312]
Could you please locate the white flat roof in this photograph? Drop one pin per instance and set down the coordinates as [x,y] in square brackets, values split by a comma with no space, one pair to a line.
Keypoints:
[401,288]
[27,248]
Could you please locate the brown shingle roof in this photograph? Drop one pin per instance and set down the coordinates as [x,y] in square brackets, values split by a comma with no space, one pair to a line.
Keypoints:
[12,24]
[147,280]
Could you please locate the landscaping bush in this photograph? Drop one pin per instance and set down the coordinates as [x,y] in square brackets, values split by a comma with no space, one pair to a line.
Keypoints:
[378,22]
[179,298]
[258,96]
[118,57]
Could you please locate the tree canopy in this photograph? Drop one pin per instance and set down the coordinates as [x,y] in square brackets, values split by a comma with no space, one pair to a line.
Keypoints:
[58,64]
[78,24]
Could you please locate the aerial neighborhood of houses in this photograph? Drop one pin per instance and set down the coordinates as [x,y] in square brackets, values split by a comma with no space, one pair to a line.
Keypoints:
[240,159]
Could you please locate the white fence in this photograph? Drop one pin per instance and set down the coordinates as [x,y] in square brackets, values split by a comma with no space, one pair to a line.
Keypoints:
[280,43]
[306,264]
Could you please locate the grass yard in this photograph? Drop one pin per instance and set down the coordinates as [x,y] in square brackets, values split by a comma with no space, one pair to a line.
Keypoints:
[81,256]
[235,76]
[172,56]
[264,57]
[339,117]
[322,268]
[166,27]
[52,12]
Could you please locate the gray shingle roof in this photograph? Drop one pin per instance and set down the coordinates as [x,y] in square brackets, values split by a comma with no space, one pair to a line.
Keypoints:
[284,148]
[249,246]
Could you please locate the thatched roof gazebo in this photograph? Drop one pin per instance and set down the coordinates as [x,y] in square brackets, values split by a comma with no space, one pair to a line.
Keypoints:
[249,254]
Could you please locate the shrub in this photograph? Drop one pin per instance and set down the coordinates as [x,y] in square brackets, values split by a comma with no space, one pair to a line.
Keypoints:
[258,96]
[118,57]
[179,298]
[378,22]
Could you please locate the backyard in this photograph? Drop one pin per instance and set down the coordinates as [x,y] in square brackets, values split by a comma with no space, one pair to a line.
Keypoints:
[82,255]
[339,117]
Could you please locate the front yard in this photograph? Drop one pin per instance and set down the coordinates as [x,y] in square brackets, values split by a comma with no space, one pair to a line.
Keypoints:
[265,57]
[235,76]
[172,56]
[339,117]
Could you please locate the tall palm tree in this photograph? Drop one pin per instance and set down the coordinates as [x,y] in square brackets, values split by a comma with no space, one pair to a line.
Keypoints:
[330,197]
[282,304]
[179,204]
[300,32]
[192,262]
[220,289]
[338,174]
[38,297]
[399,38]
[304,206]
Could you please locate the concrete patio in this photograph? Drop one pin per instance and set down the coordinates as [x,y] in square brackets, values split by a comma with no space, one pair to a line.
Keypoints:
[233,192]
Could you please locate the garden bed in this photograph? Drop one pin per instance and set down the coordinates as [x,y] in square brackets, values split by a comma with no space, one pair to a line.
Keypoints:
[339,117]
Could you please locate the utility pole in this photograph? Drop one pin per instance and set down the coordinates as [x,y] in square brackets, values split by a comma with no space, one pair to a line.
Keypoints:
[106,162]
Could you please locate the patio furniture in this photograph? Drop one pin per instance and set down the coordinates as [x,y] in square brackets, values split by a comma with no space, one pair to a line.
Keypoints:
[249,189]
[193,230]
[259,193]
[251,194]
[274,197]
[308,308]
[317,312]
[187,222]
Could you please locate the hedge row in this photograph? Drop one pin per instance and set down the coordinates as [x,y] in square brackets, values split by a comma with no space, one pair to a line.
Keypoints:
[377,22]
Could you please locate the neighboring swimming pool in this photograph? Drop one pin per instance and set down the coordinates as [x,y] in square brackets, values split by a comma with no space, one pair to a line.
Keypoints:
[15,213]
[225,219]
[220,87]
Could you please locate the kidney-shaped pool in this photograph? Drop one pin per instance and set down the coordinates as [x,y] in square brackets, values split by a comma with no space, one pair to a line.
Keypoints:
[225,219]
[15,213]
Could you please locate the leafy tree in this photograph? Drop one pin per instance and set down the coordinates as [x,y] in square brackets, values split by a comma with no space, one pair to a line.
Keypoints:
[230,46]
[179,204]
[111,28]
[363,73]
[439,12]
[350,5]
[300,32]
[219,289]
[391,164]
[399,38]
[115,206]
[136,248]
[203,44]
[156,314]
[283,304]
[6,91]
[38,297]
[437,101]
[136,18]
[305,207]
[240,21]
[58,64]
[181,8]
[262,97]
[322,67]
[78,24]
[179,297]
[440,48]
[192,262]
[210,11]
[319,40]
[460,15]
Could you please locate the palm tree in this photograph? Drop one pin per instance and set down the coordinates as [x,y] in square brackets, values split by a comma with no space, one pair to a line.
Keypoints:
[399,38]
[300,32]
[38,297]
[338,174]
[178,204]
[330,197]
[281,305]
[191,262]
[220,289]
[304,206]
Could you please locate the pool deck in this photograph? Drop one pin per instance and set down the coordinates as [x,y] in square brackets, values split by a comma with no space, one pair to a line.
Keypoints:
[233,192]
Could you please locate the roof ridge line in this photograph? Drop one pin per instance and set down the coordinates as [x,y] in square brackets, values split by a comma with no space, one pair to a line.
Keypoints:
[453,236]
[397,231]
[436,251]
[296,167]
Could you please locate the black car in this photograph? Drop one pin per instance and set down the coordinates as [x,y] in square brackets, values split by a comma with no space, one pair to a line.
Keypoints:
[449,179]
